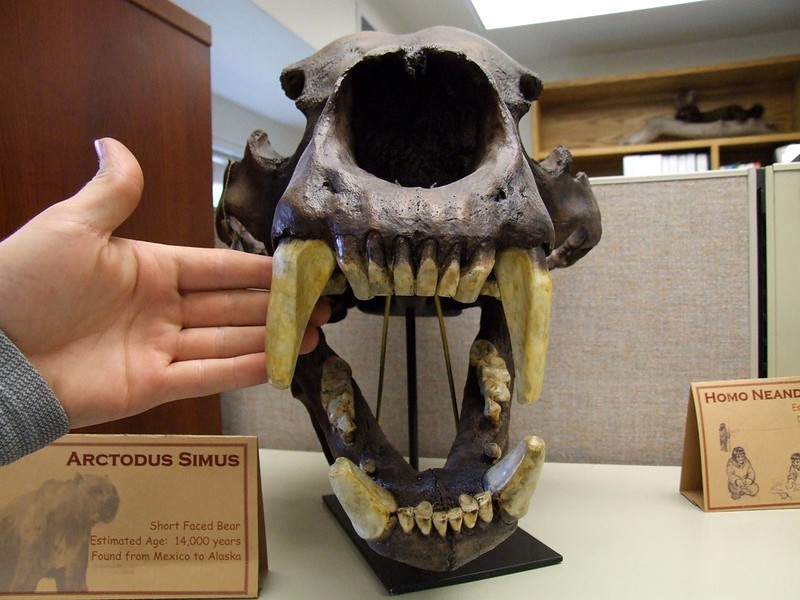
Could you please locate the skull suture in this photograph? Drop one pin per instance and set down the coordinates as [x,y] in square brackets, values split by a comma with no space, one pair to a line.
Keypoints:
[411,182]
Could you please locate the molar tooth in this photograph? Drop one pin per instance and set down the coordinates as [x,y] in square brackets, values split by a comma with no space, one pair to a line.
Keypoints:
[493,377]
[513,480]
[423,513]
[485,510]
[300,271]
[369,507]
[492,410]
[439,519]
[428,273]
[490,288]
[469,509]
[336,285]
[455,517]
[448,283]
[492,450]
[351,262]
[474,275]
[526,292]
[379,278]
[336,395]
[403,272]
[405,516]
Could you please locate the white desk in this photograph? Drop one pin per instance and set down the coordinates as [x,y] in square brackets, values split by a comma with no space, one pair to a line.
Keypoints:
[624,532]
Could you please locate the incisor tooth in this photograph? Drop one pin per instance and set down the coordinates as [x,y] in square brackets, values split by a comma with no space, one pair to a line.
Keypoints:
[455,517]
[300,270]
[423,513]
[403,272]
[368,506]
[513,479]
[405,515]
[379,280]
[485,510]
[439,519]
[469,508]
[526,292]
[351,263]
[428,272]
[448,284]
[475,274]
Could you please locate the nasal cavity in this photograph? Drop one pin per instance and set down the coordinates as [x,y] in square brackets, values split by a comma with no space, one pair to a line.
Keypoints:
[419,120]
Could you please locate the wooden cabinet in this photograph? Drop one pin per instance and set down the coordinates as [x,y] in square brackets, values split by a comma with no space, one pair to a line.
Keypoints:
[592,116]
[135,70]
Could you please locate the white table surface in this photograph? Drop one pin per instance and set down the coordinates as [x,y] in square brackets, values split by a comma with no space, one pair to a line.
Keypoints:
[624,532]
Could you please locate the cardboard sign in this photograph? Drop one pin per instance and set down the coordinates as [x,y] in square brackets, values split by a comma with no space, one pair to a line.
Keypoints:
[144,516]
[742,445]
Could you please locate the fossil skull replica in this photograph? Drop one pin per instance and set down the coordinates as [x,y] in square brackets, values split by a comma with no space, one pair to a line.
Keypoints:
[411,183]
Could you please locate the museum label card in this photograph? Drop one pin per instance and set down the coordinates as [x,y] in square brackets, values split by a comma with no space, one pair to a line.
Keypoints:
[742,445]
[133,516]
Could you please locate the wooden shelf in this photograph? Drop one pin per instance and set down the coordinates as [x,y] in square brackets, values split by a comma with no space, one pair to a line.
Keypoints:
[591,116]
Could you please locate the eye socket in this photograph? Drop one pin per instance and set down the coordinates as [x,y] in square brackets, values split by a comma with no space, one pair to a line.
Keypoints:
[292,82]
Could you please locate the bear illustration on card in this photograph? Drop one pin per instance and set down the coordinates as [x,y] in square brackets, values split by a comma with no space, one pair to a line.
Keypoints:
[45,533]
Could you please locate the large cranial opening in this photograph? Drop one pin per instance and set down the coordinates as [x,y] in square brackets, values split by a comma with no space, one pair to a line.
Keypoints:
[404,110]
[412,185]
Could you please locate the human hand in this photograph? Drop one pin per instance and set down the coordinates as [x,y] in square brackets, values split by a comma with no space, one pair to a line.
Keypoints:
[117,326]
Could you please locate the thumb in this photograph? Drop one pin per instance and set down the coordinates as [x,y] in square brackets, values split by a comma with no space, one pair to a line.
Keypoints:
[114,192]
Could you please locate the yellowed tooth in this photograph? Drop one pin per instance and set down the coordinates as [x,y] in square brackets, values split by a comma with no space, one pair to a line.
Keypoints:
[405,516]
[403,272]
[448,283]
[485,510]
[351,262]
[512,481]
[439,519]
[423,513]
[469,508]
[474,275]
[526,293]
[455,517]
[379,278]
[300,271]
[369,507]
[428,273]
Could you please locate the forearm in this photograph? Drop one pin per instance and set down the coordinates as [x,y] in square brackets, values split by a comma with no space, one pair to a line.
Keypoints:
[30,415]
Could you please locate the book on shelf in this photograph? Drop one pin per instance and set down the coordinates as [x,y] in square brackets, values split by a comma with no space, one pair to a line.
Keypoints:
[638,165]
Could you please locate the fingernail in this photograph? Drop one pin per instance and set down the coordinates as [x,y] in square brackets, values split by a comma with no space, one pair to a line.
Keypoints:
[100,149]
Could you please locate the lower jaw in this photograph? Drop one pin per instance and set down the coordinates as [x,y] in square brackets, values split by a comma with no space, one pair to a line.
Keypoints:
[479,443]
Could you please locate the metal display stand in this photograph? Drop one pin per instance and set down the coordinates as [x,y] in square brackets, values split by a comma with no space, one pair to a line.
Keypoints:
[520,552]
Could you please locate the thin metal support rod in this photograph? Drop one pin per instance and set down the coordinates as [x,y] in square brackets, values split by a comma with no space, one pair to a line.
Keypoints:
[383,356]
[447,364]
[411,378]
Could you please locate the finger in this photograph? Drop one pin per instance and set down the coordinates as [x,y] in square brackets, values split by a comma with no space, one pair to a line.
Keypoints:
[114,193]
[321,313]
[225,308]
[194,378]
[310,340]
[220,268]
[219,342]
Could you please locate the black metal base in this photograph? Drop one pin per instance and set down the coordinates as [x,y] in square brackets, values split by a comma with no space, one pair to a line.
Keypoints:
[520,552]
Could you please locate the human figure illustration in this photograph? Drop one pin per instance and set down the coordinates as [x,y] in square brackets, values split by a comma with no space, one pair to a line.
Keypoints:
[794,471]
[741,476]
[724,437]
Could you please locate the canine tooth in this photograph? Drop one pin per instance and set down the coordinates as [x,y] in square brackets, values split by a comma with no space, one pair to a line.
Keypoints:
[448,283]
[428,273]
[403,272]
[474,276]
[455,517]
[300,270]
[439,519]
[469,509]
[379,280]
[485,510]
[405,516]
[513,480]
[526,292]
[368,506]
[351,262]
[423,513]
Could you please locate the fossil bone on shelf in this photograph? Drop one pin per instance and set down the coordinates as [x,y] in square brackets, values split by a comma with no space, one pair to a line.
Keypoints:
[411,184]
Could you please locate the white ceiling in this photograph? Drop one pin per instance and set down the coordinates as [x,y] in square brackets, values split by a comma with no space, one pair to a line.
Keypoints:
[250,47]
